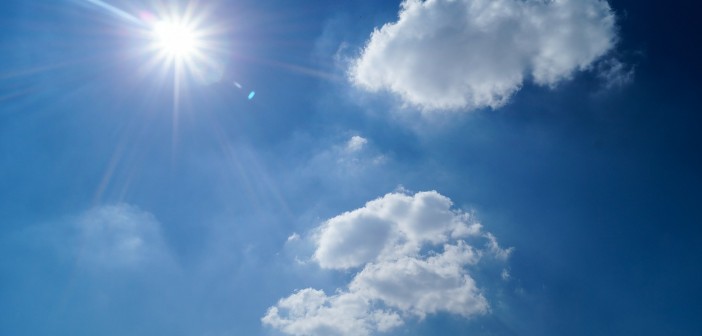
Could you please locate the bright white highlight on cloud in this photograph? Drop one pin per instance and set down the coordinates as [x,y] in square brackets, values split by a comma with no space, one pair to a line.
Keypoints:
[119,236]
[411,255]
[469,54]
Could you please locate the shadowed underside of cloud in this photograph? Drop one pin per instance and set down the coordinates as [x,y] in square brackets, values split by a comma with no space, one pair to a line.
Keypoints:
[410,255]
[469,54]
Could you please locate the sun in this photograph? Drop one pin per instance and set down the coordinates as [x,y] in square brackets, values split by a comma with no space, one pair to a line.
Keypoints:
[176,40]
[189,45]
[185,46]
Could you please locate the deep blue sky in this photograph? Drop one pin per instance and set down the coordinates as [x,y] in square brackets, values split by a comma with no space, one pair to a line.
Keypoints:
[598,190]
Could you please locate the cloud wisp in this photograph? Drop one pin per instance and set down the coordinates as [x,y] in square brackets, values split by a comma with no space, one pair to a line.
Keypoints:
[410,256]
[120,237]
[471,54]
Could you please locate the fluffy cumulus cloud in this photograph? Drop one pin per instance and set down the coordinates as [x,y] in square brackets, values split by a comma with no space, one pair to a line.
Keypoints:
[119,236]
[468,54]
[410,255]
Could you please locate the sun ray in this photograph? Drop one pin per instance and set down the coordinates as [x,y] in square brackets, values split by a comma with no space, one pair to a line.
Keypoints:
[174,43]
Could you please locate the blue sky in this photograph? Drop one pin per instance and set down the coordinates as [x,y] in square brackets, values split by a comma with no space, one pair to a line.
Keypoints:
[435,167]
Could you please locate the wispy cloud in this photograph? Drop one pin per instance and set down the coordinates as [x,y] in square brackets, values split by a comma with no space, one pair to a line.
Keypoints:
[614,73]
[469,54]
[348,158]
[119,236]
[411,256]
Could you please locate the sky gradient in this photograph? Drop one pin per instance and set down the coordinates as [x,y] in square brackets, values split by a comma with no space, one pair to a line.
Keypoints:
[437,167]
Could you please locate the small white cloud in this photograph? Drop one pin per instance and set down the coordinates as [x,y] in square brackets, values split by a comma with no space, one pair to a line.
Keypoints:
[356,143]
[469,54]
[505,275]
[614,73]
[293,237]
[118,236]
[411,256]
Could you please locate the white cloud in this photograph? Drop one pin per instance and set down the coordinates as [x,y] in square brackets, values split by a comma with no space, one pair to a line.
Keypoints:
[410,255]
[312,312]
[119,236]
[469,54]
[394,225]
[356,143]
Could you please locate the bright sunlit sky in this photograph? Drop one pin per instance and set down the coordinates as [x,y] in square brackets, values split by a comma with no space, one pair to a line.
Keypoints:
[435,167]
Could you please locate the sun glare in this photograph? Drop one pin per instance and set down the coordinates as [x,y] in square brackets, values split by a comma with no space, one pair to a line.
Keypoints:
[176,40]
[184,43]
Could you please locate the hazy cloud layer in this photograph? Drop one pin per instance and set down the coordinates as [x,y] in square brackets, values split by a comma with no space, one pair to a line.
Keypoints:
[353,157]
[410,255]
[468,54]
[119,236]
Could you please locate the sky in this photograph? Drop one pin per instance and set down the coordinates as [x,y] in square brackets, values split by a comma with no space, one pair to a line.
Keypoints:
[436,167]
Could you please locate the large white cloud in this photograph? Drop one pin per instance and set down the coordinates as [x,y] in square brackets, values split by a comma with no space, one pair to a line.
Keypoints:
[468,54]
[411,255]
